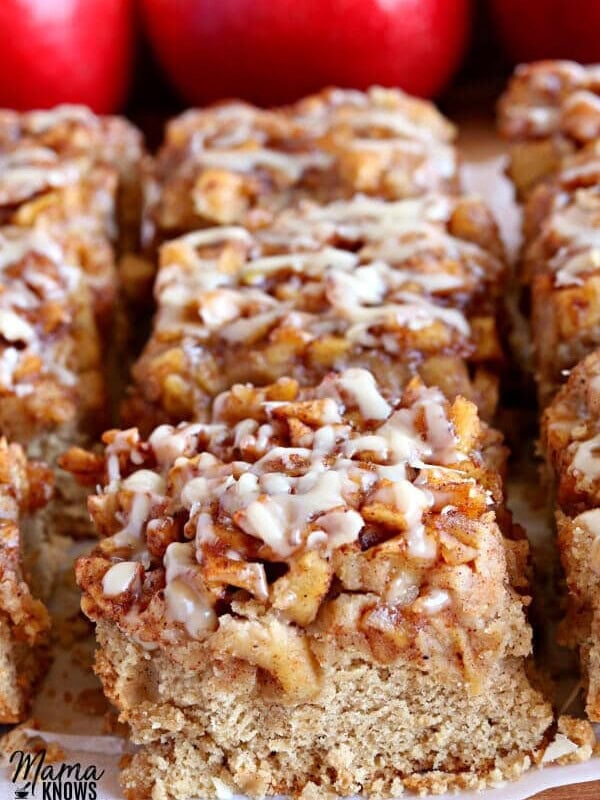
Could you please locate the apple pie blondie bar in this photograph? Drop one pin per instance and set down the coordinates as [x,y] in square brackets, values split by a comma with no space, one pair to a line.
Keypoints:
[310,593]
[76,138]
[52,383]
[25,487]
[400,288]
[237,164]
[578,171]
[571,442]
[68,167]
[561,266]
[550,110]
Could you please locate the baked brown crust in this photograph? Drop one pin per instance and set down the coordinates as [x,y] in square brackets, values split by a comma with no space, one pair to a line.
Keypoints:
[374,731]
[237,164]
[404,288]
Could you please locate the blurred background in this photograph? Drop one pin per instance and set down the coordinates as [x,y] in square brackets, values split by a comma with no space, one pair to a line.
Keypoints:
[151,58]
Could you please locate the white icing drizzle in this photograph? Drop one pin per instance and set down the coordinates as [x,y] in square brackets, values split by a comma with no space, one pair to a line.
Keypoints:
[40,121]
[292,165]
[433,601]
[586,461]
[170,443]
[29,170]
[184,602]
[404,441]
[291,498]
[145,480]
[369,215]
[577,226]
[552,92]
[211,236]
[395,232]
[398,124]
[412,502]
[582,97]
[571,267]
[14,328]
[120,578]
[237,306]
[590,520]
[25,295]
[186,606]
[361,386]
[403,589]
[240,138]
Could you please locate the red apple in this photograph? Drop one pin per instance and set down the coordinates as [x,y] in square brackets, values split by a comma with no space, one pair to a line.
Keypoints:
[538,29]
[65,51]
[274,51]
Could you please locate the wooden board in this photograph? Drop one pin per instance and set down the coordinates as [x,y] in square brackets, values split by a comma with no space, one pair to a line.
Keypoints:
[581,791]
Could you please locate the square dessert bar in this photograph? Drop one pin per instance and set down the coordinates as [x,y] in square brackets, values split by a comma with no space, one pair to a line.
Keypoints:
[400,288]
[561,266]
[66,197]
[237,164]
[310,593]
[69,200]
[68,167]
[41,187]
[25,487]
[78,138]
[580,170]
[52,383]
[571,443]
[549,110]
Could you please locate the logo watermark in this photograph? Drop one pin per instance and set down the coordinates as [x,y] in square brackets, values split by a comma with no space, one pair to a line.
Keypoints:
[33,777]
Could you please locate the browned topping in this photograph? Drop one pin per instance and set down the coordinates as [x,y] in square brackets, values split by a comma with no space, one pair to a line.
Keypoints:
[549,97]
[398,288]
[330,510]
[550,110]
[234,163]
[49,346]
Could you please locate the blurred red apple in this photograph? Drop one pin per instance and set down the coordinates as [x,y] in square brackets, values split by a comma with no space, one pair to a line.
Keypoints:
[65,51]
[274,51]
[535,29]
